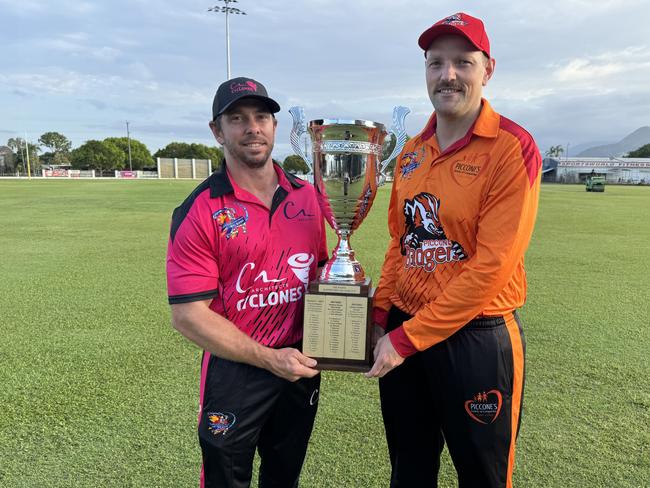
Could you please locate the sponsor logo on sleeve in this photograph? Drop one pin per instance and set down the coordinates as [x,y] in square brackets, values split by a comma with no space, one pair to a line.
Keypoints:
[484,408]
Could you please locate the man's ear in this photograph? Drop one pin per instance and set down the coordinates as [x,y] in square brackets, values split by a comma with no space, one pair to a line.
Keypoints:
[489,70]
[216,132]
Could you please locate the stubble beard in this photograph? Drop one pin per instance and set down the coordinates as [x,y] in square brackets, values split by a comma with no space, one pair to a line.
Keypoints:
[255,162]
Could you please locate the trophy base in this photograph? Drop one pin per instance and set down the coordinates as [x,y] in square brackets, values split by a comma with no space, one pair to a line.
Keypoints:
[337,326]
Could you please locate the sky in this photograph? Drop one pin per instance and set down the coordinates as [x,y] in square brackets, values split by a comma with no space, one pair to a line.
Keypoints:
[572,72]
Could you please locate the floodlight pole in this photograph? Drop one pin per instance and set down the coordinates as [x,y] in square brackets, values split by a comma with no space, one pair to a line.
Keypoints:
[227,10]
[128,138]
[227,43]
[29,170]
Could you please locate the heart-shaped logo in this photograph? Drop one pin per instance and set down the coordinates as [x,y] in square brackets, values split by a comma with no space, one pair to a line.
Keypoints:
[484,407]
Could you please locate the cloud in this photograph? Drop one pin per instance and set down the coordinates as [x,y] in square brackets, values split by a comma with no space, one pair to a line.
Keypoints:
[61,83]
[61,7]
[98,104]
[581,70]
[24,7]
[604,72]
[139,70]
[77,44]
[105,53]
[54,81]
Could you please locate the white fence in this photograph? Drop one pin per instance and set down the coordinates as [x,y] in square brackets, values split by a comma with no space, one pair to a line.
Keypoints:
[167,168]
[135,174]
[68,173]
[184,168]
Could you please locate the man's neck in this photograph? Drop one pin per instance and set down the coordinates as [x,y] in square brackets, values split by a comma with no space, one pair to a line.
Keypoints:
[451,129]
[261,182]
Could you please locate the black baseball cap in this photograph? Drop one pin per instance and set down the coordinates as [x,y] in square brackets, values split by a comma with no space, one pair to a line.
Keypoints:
[237,88]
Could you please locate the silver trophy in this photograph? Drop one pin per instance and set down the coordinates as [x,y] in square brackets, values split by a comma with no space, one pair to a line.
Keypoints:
[347,173]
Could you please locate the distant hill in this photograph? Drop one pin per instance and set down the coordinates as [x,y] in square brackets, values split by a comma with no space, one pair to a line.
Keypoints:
[583,146]
[635,140]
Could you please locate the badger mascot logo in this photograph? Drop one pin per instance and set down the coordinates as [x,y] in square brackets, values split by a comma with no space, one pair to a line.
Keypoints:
[424,242]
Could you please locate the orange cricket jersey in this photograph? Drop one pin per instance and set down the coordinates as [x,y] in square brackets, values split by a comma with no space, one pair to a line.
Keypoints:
[460,222]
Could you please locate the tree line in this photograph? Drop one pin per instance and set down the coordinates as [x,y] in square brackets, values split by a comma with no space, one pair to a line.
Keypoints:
[105,156]
[112,153]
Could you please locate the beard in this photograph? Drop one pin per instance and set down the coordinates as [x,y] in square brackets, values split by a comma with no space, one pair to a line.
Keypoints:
[252,161]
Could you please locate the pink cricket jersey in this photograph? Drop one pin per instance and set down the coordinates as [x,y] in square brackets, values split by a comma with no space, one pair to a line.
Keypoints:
[254,263]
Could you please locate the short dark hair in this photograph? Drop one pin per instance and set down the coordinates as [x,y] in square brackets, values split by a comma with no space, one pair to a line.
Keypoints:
[217,120]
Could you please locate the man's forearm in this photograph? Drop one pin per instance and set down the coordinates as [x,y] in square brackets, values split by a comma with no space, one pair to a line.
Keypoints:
[216,334]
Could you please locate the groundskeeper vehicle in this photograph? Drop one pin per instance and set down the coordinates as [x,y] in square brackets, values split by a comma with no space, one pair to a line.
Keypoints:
[595,183]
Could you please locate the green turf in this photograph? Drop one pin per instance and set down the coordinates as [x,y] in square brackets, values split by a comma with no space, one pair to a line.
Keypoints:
[97,390]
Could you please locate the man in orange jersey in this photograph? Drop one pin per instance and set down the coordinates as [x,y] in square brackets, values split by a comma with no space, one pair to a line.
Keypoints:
[462,211]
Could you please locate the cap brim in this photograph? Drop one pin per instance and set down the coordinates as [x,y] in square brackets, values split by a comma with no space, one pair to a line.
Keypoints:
[272,104]
[429,35]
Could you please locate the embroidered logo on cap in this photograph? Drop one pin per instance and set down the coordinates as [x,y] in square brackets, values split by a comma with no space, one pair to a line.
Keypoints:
[240,87]
[454,20]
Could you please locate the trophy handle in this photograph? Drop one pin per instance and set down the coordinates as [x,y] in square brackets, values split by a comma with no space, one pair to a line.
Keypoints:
[299,128]
[399,114]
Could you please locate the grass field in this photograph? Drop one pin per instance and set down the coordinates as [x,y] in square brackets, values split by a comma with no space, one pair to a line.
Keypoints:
[97,390]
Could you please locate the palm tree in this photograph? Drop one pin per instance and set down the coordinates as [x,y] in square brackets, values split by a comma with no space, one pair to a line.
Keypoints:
[554,151]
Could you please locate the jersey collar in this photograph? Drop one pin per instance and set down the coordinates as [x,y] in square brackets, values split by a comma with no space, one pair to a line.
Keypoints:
[220,183]
[486,124]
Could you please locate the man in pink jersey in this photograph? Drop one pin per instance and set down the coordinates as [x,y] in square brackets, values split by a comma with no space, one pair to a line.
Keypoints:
[242,249]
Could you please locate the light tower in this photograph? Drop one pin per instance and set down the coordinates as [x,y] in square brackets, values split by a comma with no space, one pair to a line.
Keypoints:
[227,9]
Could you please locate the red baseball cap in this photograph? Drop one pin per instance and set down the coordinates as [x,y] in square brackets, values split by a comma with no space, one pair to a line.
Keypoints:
[460,24]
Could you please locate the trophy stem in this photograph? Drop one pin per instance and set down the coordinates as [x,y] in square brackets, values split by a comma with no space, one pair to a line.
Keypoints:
[342,267]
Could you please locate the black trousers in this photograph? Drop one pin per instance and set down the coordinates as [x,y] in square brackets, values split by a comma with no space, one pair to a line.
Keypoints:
[247,408]
[466,391]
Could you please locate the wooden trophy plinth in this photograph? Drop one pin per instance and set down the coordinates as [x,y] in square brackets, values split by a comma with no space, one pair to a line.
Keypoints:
[337,326]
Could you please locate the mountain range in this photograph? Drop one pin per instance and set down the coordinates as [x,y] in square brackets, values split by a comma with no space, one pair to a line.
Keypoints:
[635,140]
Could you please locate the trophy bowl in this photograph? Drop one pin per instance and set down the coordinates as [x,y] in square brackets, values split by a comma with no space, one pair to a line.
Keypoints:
[346,176]
[347,170]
